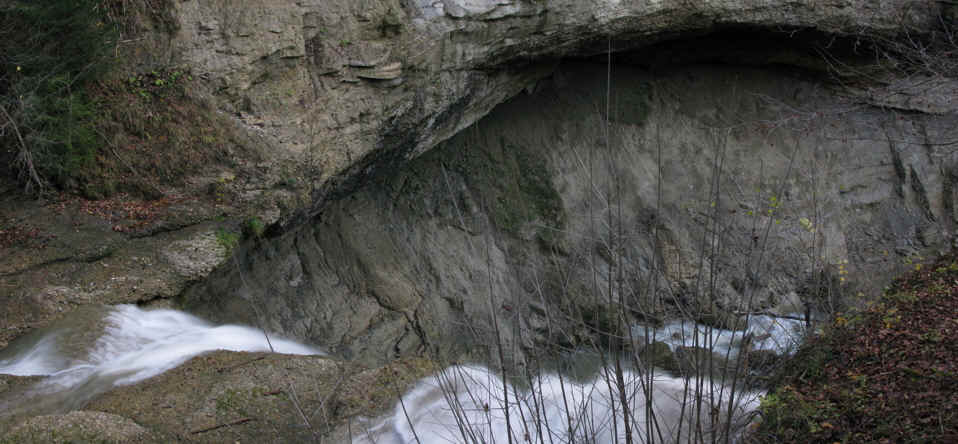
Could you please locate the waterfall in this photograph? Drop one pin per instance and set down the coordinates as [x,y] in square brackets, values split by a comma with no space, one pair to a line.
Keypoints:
[97,349]
[468,404]
[781,335]
[123,345]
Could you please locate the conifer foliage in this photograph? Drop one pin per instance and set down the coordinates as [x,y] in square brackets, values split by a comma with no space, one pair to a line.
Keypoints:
[50,50]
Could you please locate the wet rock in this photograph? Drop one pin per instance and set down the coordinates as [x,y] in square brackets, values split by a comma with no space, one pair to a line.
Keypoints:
[229,396]
[659,354]
[700,360]
[722,320]
[79,426]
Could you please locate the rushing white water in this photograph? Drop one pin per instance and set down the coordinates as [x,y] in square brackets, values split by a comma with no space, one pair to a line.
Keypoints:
[95,350]
[777,334]
[468,404]
[125,345]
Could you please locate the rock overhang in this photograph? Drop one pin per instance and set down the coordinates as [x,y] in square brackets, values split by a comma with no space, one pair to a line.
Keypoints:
[354,89]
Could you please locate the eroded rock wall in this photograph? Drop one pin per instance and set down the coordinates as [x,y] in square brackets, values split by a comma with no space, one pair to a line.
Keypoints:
[708,186]
[331,93]
[342,87]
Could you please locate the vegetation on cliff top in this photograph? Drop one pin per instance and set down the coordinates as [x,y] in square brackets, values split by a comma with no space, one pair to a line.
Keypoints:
[887,373]
[76,116]
[49,52]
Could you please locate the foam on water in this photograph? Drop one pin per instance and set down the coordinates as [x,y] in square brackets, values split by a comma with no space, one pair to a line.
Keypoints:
[134,345]
[125,344]
[40,359]
[777,334]
[468,404]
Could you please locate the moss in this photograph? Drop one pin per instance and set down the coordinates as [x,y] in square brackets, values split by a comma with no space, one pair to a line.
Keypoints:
[227,239]
[604,320]
[254,228]
[78,427]
[71,435]
[510,181]
[233,402]
[374,391]
[701,360]
[516,184]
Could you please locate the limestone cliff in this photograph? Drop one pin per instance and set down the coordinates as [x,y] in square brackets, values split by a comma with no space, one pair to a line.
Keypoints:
[350,86]
[707,186]
[432,171]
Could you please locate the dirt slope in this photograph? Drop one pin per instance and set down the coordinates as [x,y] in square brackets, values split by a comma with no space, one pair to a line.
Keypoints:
[886,374]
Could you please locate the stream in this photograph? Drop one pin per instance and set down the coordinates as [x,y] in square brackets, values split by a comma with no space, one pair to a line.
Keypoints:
[97,348]
[781,335]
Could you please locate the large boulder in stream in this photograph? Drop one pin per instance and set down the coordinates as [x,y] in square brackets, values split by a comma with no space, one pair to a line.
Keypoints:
[659,354]
[704,361]
[229,396]
[79,426]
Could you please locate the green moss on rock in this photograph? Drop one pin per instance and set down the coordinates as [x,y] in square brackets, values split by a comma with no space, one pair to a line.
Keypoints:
[515,183]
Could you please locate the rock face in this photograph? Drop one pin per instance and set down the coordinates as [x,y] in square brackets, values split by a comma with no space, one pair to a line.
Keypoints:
[73,257]
[338,92]
[352,90]
[347,87]
[708,187]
